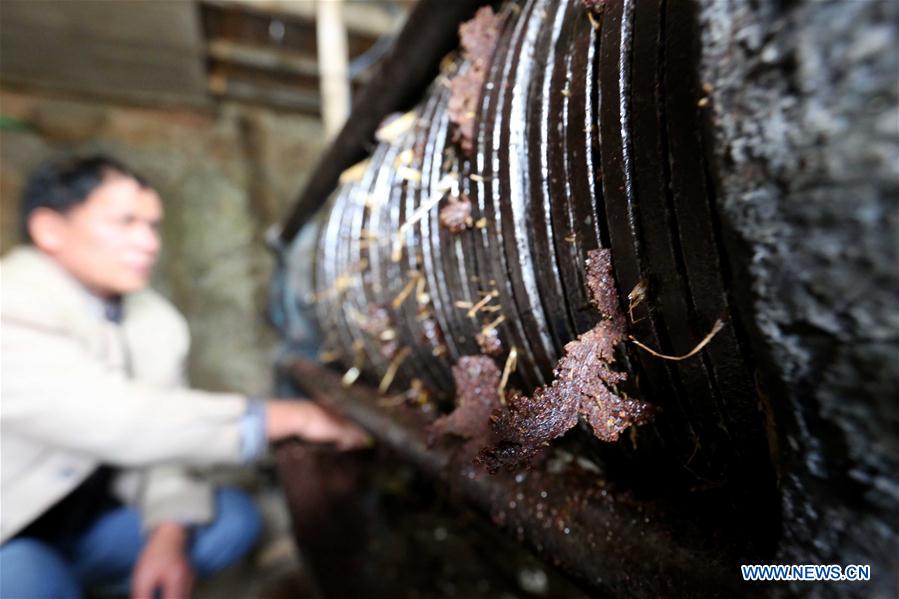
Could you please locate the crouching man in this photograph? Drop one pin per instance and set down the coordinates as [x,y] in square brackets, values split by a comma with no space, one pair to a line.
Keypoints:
[98,428]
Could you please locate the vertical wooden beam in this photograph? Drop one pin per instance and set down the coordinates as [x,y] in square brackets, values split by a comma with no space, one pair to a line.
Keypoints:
[333,61]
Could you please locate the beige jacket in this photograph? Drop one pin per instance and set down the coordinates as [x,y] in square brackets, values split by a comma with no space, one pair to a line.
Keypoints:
[68,403]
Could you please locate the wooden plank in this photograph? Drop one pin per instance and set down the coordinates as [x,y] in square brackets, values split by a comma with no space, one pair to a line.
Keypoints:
[281,59]
[243,91]
[127,49]
[367,19]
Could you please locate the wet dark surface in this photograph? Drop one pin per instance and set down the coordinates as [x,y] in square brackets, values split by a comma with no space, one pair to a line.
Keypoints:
[372,527]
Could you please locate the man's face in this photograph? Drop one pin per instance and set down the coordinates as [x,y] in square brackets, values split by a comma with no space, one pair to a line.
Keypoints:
[109,242]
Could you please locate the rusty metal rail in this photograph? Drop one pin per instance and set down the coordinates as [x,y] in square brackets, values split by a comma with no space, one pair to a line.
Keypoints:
[593,529]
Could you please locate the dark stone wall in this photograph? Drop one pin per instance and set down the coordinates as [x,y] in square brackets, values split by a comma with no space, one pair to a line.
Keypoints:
[805,121]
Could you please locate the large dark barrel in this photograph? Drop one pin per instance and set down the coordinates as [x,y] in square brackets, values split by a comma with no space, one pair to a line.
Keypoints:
[739,160]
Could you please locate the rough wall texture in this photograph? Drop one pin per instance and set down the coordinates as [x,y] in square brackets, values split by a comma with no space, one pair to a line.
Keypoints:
[224,178]
[806,122]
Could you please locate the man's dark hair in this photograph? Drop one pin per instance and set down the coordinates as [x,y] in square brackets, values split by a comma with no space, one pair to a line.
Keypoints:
[61,185]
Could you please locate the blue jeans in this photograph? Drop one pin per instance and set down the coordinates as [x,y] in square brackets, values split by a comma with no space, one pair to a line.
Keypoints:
[105,553]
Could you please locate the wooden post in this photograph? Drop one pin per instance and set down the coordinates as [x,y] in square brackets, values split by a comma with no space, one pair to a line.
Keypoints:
[333,58]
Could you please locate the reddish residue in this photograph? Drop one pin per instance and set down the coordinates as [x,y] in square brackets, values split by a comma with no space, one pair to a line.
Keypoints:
[585,385]
[378,324]
[477,396]
[489,342]
[377,321]
[478,39]
[455,215]
[601,287]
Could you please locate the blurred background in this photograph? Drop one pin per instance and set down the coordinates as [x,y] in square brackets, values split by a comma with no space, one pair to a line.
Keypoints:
[219,103]
[224,106]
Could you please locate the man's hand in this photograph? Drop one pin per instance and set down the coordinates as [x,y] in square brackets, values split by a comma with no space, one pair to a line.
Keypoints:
[163,565]
[313,423]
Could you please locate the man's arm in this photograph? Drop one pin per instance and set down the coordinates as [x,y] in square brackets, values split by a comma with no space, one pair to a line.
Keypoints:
[55,392]
[311,422]
[170,493]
